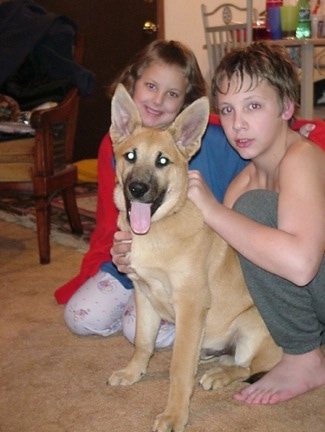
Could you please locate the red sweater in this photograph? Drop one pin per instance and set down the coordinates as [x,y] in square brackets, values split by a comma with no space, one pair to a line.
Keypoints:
[102,238]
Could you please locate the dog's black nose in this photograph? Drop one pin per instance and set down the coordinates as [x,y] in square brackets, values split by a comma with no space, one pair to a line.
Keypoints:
[138,189]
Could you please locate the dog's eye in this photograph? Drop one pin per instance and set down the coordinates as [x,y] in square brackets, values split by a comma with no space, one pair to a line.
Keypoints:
[130,156]
[162,161]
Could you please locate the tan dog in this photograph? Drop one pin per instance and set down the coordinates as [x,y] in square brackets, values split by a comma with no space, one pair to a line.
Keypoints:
[183,271]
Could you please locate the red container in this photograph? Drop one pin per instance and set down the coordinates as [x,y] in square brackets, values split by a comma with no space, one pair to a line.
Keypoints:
[271,3]
[260,32]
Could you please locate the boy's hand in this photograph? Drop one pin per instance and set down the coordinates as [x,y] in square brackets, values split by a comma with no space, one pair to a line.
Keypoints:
[200,194]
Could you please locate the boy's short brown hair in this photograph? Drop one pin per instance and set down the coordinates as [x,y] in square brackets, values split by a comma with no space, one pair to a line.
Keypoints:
[259,61]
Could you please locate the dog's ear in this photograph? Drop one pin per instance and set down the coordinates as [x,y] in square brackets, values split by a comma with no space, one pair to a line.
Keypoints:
[190,125]
[125,116]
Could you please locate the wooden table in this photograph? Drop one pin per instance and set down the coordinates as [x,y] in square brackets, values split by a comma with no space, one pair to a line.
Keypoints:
[307,71]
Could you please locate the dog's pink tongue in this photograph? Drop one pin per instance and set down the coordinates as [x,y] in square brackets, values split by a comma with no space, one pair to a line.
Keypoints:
[140,217]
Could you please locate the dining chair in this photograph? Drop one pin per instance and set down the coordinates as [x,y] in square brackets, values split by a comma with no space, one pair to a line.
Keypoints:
[42,166]
[223,32]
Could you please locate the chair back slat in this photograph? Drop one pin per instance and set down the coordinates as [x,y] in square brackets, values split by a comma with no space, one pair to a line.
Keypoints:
[58,132]
[226,33]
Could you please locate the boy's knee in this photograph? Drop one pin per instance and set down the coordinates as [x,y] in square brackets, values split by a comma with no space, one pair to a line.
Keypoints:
[259,205]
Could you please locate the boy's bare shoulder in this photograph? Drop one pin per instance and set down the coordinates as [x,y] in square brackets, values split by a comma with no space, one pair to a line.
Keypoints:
[304,162]
[304,151]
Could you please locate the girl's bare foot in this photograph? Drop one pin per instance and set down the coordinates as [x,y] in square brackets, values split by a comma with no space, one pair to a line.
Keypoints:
[292,376]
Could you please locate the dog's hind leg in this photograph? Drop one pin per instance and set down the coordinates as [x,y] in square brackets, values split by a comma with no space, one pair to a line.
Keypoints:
[147,326]
[221,376]
[254,351]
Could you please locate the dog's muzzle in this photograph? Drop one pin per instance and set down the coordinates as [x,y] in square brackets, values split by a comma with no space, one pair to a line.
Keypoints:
[141,205]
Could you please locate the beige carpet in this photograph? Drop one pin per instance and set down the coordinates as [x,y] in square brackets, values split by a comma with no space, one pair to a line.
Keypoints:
[53,381]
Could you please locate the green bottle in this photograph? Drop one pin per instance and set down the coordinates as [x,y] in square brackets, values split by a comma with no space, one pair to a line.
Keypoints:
[304,23]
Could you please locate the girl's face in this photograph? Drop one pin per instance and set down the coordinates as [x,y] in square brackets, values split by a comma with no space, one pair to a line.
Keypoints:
[252,118]
[159,94]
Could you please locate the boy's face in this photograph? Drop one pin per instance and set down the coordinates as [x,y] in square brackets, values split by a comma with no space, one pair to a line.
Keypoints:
[159,94]
[251,116]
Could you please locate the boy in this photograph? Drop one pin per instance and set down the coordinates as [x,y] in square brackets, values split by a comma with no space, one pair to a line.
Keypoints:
[273,214]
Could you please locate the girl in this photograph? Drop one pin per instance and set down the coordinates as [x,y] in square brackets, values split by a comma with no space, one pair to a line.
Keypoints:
[163,80]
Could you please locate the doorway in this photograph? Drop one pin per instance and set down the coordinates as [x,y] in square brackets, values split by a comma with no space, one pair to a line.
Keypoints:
[113,34]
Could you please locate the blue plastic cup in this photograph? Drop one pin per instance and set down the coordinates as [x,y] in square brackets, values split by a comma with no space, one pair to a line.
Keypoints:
[274,18]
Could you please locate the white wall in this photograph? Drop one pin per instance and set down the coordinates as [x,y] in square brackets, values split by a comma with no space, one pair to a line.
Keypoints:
[183,22]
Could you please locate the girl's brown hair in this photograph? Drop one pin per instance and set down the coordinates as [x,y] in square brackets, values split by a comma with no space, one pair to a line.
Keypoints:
[170,53]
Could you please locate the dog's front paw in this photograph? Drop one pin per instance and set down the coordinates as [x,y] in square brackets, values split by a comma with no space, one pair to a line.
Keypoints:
[124,377]
[221,376]
[169,422]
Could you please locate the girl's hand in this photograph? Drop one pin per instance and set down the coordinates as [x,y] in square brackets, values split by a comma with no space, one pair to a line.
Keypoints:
[306,129]
[120,251]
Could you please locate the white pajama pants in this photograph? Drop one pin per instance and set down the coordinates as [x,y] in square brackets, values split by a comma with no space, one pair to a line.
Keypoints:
[102,306]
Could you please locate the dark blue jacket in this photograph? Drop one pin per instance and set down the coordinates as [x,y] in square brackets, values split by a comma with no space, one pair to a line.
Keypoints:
[27,29]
